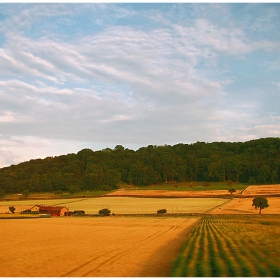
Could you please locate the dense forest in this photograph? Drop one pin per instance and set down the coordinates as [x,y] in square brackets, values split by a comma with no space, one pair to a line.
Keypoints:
[255,161]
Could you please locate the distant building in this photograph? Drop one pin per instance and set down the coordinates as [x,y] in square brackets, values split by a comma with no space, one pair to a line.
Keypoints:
[53,210]
[35,208]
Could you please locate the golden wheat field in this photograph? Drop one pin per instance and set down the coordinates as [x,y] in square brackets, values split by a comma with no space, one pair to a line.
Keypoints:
[105,246]
[123,205]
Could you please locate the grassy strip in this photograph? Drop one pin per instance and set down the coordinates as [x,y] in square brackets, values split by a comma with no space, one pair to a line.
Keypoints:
[237,266]
[215,262]
[181,267]
[224,254]
[193,186]
[200,265]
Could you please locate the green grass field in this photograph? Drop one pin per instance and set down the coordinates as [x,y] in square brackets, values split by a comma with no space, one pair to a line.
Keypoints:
[231,246]
[192,186]
[128,205]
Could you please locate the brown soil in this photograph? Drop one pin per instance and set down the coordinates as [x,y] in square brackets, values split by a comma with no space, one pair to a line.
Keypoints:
[110,246]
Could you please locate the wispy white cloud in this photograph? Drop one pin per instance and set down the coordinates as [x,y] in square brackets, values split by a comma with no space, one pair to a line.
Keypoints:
[110,80]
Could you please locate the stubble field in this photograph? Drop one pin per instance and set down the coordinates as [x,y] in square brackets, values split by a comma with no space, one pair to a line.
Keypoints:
[108,246]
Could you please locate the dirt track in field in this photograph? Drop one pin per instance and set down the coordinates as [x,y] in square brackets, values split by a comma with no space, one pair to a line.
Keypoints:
[109,246]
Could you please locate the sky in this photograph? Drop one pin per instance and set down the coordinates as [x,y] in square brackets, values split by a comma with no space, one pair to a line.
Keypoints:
[97,75]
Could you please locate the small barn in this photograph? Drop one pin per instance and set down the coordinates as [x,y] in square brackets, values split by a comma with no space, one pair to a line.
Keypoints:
[53,210]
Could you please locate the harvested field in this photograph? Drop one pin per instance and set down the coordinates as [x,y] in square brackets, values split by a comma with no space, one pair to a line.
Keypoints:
[108,246]
[244,206]
[262,190]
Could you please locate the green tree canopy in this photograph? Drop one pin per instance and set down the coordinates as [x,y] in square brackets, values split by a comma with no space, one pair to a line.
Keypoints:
[253,162]
[12,209]
[232,190]
[26,193]
[104,212]
[260,202]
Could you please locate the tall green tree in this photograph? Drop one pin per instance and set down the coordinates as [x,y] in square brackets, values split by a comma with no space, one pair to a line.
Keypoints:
[260,202]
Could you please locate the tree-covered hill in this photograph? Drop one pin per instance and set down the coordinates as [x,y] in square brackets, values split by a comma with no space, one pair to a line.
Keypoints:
[255,161]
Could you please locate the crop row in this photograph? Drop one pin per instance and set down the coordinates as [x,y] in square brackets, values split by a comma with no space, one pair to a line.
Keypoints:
[231,246]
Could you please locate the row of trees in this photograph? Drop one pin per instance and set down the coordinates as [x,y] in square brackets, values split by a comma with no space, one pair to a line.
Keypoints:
[256,161]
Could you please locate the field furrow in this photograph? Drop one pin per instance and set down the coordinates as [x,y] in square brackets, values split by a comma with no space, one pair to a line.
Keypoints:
[232,246]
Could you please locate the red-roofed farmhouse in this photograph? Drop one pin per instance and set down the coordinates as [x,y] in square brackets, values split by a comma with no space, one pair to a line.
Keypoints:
[53,210]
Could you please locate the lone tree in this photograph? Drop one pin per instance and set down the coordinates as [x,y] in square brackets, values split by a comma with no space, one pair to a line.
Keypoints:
[260,202]
[232,190]
[12,209]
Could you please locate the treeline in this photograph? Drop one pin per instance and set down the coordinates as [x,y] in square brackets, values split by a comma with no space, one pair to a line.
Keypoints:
[255,161]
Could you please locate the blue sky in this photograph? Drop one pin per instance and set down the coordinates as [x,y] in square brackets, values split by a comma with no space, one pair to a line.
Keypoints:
[92,75]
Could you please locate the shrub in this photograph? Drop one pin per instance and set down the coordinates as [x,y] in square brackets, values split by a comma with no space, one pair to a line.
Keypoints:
[27,211]
[58,192]
[206,184]
[79,212]
[74,189]
[161,211]
[26,193]
[104,212]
